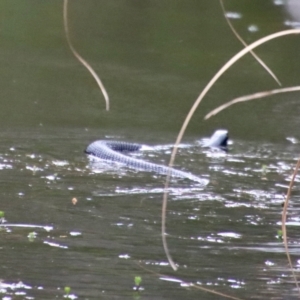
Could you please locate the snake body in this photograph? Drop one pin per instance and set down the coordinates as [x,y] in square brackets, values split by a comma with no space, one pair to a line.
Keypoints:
[114,151]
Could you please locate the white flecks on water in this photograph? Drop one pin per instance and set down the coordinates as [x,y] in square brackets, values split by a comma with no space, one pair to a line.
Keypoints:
[253,28]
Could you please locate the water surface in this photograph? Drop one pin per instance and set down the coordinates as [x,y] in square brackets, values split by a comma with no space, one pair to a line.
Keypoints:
[154,57]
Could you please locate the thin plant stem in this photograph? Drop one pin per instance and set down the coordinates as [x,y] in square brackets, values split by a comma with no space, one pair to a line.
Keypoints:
[192,111]
[255,96]
[163,225]
[259,60]
[82,60]
[190,284]
[283,222]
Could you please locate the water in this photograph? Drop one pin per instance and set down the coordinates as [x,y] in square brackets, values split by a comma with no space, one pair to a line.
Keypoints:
[154,58]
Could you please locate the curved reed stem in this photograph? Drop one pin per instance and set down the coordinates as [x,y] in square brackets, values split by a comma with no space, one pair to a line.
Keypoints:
[249,98]
[283,222]
[81,60]
[259,60]
[192,111]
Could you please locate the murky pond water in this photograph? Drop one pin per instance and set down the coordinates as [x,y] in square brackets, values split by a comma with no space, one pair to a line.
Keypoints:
[222,236]
[154,58]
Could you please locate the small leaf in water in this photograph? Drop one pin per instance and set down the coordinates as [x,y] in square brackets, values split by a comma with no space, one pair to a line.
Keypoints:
[1,214]
[279,234]
[137,280]
[31,236]
[67,290]
[264,171]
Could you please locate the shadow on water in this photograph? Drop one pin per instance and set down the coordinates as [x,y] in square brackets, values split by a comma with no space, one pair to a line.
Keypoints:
[155,57]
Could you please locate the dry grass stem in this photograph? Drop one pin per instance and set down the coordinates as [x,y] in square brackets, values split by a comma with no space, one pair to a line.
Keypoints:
[189,284]
[259,60]
[163,225]
[250,97]
[283,222]
[195,106]
[77,55]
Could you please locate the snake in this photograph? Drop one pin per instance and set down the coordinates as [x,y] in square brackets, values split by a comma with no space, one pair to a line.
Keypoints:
[115,151]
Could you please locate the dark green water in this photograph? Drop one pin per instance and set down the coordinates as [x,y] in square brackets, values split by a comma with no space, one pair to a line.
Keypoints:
[154,58]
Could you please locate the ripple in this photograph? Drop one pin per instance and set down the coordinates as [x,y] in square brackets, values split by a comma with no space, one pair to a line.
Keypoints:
[233,15]
[5,166]
[230,235]
[47,228]
[293,24]
[56,245]
[13,288]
